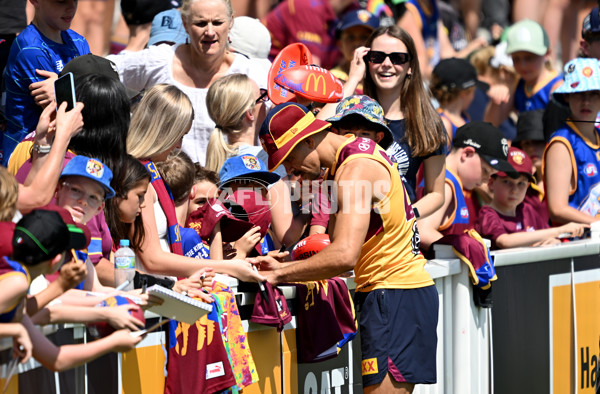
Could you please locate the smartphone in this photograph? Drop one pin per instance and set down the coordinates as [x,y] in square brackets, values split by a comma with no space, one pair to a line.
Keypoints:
[64,90]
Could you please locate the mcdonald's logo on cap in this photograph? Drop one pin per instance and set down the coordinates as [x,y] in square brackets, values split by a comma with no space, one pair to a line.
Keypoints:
[317,80]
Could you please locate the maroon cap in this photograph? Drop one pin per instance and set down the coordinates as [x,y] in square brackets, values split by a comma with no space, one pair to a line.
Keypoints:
[205,218]
[285,126]
[520,162]
[251,206]
[7,230]
[273,310]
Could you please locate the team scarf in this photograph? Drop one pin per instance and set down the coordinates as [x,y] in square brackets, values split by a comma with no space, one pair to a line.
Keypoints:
[165,199]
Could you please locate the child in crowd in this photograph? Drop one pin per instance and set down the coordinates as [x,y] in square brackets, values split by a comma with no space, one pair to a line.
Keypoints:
[205,187]
[40,243]
[509,221]
[572,157]
[352,32]
[83,187]
[478,150]
[245,180]
[528,45]
[453,85]
[38,54]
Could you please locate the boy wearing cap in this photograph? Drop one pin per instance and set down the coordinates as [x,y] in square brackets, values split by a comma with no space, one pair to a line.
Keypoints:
[371,234]
[40,242]
[83,187]
[478,150]
[352,32]
[529,46]
[509,221]
[572,157]
[37,55]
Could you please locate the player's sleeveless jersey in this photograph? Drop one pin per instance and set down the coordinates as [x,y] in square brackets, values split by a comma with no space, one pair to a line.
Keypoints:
[461,218]
[540,95]
[585,161]
[8,268]
[390,256]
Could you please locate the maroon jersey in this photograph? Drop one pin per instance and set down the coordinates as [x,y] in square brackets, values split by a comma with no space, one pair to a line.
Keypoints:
[325,319]
[198,363]
[492,224]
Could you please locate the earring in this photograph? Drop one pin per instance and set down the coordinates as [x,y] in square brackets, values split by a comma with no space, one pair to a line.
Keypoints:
[409,76]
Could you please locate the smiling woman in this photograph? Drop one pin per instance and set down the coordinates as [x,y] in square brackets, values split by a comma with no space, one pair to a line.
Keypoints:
[193,67]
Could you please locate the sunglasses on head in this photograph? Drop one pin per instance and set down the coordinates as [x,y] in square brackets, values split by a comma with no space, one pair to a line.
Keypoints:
[378,57]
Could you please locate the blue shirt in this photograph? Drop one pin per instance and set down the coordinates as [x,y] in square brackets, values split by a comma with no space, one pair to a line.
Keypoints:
[31,50]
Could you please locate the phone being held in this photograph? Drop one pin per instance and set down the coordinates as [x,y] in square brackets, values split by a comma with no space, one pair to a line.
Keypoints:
[64,90]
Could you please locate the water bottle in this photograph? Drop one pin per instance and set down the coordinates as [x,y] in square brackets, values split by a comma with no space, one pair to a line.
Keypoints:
[124,265]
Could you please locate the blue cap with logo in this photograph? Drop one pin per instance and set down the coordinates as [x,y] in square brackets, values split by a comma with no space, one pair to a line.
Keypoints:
[369,109]
[246,167]
[167,26]
[580,75]
[357,18]
[90,168]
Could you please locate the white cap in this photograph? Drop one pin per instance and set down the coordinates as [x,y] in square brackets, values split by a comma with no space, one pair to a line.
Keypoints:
[250,37]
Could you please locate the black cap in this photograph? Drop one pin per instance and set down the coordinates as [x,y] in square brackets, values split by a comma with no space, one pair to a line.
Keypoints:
[457,73]
[45,233]
[97,65]
[488,142]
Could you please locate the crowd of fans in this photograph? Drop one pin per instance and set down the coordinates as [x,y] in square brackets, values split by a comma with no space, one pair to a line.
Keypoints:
[468,101]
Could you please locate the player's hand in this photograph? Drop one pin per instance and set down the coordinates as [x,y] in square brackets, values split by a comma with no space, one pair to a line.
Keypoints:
[43,91]
[119,317]
[279,256]
[123,341]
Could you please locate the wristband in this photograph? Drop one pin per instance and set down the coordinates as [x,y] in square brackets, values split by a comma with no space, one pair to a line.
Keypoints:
[41,148]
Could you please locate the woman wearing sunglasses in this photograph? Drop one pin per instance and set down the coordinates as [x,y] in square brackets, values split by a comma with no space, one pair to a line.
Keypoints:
[390,69]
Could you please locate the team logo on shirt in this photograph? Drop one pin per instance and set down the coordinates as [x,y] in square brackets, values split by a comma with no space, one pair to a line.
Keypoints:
[590,170]
[464,213]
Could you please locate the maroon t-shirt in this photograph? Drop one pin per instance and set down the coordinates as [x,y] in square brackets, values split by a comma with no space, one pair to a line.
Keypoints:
[310,22]
[492,224]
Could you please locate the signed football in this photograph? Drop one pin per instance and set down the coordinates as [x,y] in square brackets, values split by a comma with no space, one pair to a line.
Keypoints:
[309,246]
[291,56]
[312,83]
[102,329]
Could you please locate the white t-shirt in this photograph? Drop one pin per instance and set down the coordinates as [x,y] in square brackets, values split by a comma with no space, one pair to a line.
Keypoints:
[154,65]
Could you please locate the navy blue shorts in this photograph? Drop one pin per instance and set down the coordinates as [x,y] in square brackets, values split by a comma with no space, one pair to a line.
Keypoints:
[398,334]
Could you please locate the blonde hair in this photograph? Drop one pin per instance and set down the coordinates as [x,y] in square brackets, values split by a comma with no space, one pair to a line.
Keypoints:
[227,101]
[9,193]
[162,118]
[185,8]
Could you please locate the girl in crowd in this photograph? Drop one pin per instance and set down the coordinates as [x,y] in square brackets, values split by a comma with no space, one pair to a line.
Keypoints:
[390,68]
[193,67]
[571,161]
[163,117]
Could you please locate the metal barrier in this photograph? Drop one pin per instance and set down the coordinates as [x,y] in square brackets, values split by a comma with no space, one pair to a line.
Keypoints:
[545,337]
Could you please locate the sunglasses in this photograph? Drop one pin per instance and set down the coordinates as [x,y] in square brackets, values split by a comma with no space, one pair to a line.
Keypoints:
[263,97]
[76,193]
[378,57]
